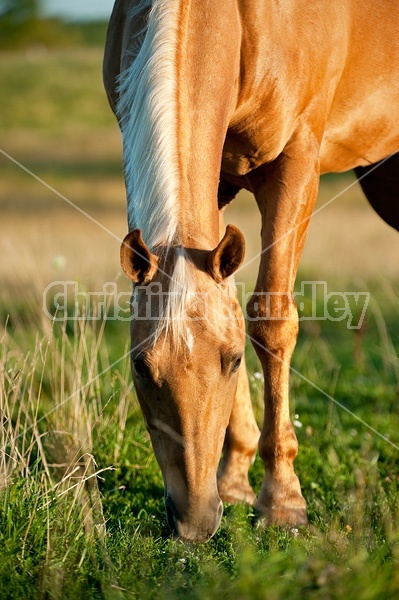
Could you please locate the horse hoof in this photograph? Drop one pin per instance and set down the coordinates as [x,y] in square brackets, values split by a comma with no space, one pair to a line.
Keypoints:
[292,516]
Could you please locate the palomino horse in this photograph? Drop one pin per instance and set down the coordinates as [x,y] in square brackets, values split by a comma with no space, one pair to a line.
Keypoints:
[213,96]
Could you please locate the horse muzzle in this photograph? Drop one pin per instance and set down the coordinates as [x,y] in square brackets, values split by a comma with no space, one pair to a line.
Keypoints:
[194,525]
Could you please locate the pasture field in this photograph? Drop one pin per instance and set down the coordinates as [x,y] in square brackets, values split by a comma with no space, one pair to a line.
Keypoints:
[81,496]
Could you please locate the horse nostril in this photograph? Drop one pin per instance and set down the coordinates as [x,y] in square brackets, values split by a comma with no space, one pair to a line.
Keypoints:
[171,515]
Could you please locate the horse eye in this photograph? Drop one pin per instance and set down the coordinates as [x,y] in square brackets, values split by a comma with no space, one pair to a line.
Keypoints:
[236,364]
[140,368]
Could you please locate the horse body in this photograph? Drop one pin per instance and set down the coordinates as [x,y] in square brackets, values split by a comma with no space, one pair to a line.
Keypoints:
[336,75]
[213,97]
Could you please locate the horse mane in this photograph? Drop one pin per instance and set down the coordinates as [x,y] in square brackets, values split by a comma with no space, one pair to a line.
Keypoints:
[172,305]
[147,109]
[139,15]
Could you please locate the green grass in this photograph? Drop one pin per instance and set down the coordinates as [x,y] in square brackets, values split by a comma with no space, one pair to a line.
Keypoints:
[66,396]
[52,543]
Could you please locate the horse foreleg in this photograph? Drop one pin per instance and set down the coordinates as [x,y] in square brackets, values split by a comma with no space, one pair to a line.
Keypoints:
[240,446]
[285,192]
[242,435]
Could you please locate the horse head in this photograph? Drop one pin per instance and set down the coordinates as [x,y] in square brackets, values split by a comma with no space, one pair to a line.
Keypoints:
[187,345]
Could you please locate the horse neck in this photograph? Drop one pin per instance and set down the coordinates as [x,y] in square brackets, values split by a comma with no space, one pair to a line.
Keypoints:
[175,103]
[206,96]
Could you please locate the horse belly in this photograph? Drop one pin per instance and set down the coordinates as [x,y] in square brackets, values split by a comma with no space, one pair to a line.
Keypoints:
[364,136]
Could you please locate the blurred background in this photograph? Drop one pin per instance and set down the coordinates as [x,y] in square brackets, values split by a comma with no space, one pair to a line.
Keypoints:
[60,146]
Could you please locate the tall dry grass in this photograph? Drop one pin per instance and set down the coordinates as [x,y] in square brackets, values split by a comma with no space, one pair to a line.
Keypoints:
[51,403]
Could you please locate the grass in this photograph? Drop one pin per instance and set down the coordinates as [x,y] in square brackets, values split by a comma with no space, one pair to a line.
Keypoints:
[54,537]
[81,495]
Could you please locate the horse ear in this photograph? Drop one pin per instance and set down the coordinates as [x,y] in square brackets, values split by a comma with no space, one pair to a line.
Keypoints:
[225,259]
[138,262]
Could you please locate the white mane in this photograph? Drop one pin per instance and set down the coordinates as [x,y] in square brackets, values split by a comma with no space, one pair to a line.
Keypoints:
[147,109]
[170,317]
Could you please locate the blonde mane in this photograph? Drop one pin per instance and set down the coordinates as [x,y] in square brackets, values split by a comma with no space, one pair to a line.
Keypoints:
[147,109]
[171,306]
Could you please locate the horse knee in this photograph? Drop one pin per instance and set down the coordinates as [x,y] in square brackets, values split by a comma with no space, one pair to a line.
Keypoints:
[272,325]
